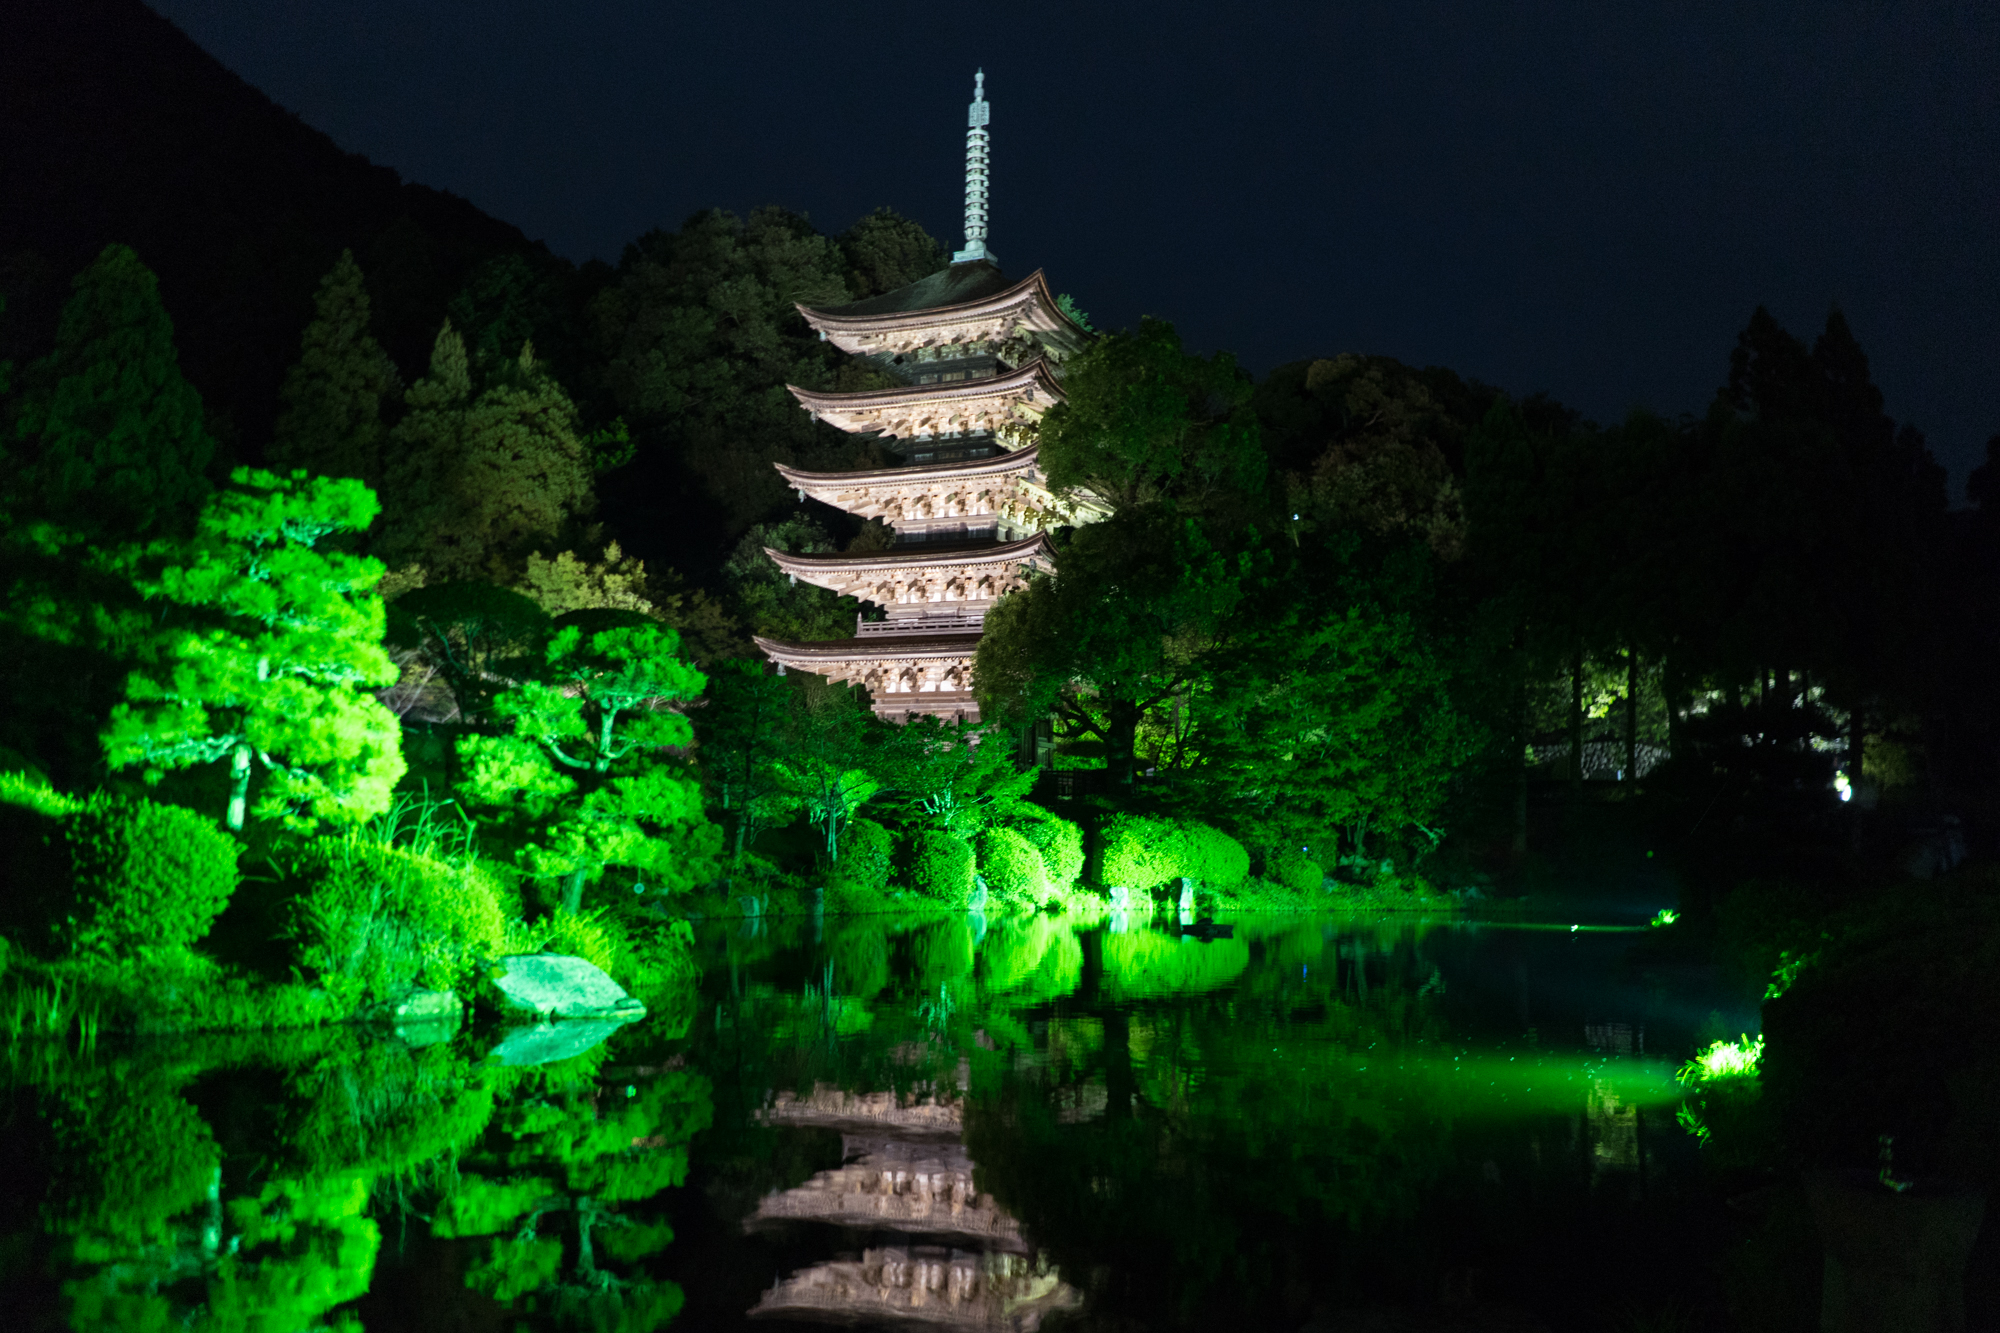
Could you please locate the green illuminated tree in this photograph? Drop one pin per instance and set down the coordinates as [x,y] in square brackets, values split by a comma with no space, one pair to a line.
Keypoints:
[831,756]
[1139,607]
[478,637]
[1141,421]
[268,654]
[331,421]
[585,770]
[114,442]
[953,777]
[741,727]
[475,478]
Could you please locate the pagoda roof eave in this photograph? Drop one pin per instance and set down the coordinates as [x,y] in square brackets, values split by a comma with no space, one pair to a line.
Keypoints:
[788,652]
[1037,546]
[1012,461]
[1034,287]
[1036,376]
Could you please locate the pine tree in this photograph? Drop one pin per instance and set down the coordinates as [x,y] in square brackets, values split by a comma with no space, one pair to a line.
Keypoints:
[268,654]
[117,445]
[331,422]
[474,480]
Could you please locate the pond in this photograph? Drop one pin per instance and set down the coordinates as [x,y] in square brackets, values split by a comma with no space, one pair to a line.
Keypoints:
[1283,1122]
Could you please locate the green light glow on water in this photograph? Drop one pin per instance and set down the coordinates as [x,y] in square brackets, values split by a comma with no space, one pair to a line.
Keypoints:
[1181,1111]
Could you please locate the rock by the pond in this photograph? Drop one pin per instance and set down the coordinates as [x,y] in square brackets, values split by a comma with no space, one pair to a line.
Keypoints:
[426,1006]
[558,986]
[427,1017]
[545,1043]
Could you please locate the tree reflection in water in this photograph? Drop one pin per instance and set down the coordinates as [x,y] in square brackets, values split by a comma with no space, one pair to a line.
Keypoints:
[934,1121]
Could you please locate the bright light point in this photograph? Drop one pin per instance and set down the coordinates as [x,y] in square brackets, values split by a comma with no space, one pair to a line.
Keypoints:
[1843,786]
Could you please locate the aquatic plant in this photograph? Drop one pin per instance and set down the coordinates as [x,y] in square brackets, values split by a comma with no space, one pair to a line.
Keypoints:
[1723,1095]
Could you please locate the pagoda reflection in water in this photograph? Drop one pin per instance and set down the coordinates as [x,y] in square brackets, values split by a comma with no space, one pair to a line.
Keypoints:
[905,1170]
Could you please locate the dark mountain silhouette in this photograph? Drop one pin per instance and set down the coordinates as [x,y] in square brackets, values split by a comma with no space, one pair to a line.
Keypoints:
[115,126]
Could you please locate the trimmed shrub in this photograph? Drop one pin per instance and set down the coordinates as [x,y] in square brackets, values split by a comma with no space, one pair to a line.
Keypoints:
[1140,852]
[864,857]
[144,874]
[942,866]
[1060,842]
[383,918]
[1295,871]
[1215,858]
[1012,866]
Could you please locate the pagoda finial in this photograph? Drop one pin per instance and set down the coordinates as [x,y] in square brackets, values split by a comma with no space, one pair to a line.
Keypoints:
[976,143]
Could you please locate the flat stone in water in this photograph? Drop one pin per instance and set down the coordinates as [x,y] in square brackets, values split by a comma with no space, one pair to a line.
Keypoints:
[559,986]
[545,1043]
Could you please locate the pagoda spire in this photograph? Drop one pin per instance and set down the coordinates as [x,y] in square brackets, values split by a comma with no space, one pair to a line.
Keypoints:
[977,141]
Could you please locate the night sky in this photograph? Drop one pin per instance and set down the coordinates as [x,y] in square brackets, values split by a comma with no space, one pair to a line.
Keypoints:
[1587,199]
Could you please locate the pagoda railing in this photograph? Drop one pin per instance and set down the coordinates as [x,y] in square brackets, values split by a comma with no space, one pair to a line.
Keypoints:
[952,622]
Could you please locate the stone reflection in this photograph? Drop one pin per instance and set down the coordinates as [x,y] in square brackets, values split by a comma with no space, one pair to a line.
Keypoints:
[904,1169]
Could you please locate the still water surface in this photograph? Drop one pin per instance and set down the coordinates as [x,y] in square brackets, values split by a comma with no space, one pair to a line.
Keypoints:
[1288,1123]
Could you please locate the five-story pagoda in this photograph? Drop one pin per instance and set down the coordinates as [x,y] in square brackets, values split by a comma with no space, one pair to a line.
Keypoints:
[980,361]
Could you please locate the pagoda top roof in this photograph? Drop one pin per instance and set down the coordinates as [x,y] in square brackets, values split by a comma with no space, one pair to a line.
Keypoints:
[966,302]
[970,467]
[939,554]
[873,649]
[959,284]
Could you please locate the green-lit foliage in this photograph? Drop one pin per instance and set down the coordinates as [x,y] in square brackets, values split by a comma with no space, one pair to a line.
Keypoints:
[1140,852]
[478,1206]
[1295,870]
[861,961]
[741,728]
[635,1240]
[331,421]
[1142,420]
[951,776]
[145,875]
[1215,858]
[514,1267]
[474,478]
[1724,1104]
[129,1163]
[831,754]
[584,775]
[865,862]
[944,952]
[1012,867]
[477,637]
[769,601]
[1060,842]
[269,656]
[942,866]
[115,440]
[304,1247]
[398,1111]
[1143,962]
[701,333]
[378,918]
[1030,960]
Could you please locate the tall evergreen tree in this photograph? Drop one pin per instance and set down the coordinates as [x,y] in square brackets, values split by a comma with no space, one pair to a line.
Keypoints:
[331,422]
[474,480]
[115,442]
